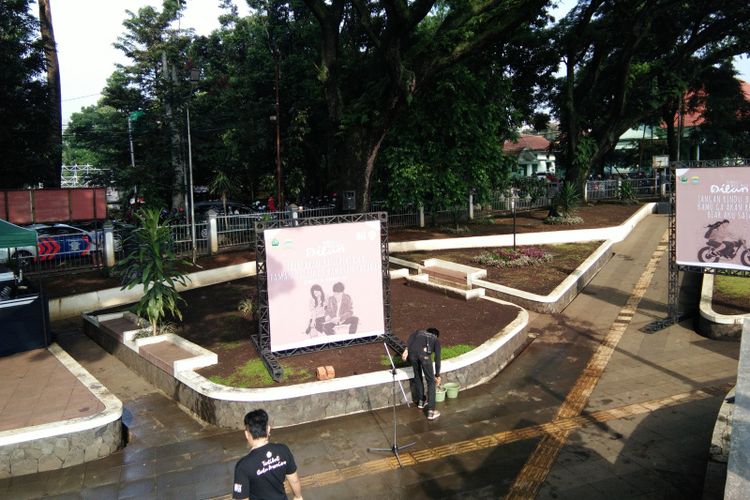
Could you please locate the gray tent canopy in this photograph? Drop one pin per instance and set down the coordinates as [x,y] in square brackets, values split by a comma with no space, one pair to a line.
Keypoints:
[12,236]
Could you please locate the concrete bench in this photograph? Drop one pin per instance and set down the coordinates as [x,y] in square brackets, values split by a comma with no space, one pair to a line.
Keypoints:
[447,276]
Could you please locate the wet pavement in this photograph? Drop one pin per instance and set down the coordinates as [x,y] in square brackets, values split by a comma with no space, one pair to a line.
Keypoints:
[592,407]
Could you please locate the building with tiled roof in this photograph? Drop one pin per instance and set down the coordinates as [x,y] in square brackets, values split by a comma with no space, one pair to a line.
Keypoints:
[533,155]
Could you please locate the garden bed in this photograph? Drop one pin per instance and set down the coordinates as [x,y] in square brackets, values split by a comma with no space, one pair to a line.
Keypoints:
[731,295]
[540,279]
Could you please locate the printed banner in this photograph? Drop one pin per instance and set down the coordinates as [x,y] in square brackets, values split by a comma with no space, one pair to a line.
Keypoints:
[325,283]
[713,217]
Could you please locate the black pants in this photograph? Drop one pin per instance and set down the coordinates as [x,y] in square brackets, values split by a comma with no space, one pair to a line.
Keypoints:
[422,365]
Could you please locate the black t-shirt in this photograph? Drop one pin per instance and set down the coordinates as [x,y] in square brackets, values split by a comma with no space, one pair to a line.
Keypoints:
[261,473]
[422,343]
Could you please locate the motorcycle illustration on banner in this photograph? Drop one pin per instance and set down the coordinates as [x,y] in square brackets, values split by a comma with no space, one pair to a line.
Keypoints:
[721,243]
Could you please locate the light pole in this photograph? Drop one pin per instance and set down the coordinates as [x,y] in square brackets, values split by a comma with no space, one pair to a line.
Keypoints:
[278,133]
[194,77]
[513,209]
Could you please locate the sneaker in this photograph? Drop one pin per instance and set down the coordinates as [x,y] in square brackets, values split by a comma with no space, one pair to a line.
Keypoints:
[422,403]
[432,414]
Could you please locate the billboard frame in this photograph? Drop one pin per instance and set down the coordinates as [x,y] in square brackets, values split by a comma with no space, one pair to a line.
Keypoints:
[262,338]
[673,314]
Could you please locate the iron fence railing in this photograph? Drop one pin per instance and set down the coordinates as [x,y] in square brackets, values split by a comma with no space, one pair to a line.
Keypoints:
[234,231]
[610,189]
[183,238]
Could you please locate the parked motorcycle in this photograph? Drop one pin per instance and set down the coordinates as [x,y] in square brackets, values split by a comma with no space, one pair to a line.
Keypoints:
[731,248]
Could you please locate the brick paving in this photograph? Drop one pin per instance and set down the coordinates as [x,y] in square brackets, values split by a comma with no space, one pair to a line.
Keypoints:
[36,388]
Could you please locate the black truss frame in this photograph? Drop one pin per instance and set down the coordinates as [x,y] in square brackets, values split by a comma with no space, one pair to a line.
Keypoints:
[673,314]
[262,338]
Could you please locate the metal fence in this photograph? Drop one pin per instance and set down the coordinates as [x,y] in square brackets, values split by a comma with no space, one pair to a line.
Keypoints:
[60,251]
[610,189]
[183,238]
[235,231]
[502,202]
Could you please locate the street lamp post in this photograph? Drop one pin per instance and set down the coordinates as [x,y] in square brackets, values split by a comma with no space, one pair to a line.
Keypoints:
[513,209]
[194,77]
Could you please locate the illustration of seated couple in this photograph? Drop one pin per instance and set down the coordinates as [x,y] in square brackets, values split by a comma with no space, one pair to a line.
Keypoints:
[333,315]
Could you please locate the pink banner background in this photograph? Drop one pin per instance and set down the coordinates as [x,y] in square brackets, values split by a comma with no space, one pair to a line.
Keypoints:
[705,196]
[298,258]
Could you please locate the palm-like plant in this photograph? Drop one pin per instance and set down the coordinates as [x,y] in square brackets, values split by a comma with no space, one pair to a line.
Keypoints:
[567,199]
[221,184]
[153,265]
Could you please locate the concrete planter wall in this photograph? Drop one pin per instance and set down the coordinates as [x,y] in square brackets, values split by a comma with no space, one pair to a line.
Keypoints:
[562,295]
[712,324]
[296,404]
[70,442]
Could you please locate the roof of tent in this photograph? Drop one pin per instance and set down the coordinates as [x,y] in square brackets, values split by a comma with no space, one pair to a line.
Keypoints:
[12,236]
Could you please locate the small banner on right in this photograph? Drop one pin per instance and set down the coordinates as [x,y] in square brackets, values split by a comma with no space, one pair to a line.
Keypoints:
[713,217]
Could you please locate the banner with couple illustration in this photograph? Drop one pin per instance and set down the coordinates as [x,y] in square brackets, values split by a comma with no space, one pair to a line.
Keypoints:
[713,217]
[325,283]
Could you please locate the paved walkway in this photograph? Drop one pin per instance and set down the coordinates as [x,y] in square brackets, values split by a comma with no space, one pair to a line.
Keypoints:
[36,388]
[592,407]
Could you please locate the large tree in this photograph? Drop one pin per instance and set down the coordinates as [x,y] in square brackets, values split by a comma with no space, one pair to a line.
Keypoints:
[626,60]
[23,97]
[376,55]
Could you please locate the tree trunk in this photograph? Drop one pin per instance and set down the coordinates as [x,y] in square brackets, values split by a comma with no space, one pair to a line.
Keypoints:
[178,165]
[53,173]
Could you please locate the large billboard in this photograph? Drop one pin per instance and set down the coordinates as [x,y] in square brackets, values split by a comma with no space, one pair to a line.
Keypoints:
[713,217]
[325,283]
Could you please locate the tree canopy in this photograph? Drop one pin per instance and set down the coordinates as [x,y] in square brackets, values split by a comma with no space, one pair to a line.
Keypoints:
[386,97]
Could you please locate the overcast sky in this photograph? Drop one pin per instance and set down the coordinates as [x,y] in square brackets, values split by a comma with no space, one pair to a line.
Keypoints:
[86,29]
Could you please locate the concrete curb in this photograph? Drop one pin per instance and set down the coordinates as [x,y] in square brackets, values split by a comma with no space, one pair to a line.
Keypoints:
[296,404]
[712,324]
[613,233]
[75,305]
[563,294]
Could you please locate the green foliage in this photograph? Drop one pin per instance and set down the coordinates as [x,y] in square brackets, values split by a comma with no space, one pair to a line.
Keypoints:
[255,374]
[613,83]
[625,191]
[446,352]
[451,141]
[24,122]
[153,265]
[567,199]
[733,286]
[222,185]
[530,186]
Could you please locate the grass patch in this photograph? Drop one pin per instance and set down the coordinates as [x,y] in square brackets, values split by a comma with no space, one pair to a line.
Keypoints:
[735,287]
[255,374]
[446,352]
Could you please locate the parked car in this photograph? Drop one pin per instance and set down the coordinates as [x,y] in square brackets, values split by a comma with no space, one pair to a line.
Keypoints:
[59,241]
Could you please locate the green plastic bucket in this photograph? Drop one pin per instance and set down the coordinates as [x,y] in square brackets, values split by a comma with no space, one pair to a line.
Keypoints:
[439,394]
[451,389]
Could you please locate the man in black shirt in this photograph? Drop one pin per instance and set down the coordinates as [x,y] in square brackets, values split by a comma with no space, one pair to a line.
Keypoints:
[261,473]
[419,349]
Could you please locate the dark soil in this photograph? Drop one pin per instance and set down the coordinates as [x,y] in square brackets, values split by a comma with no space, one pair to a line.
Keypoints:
[594,216]
[211,320]
[540,279]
